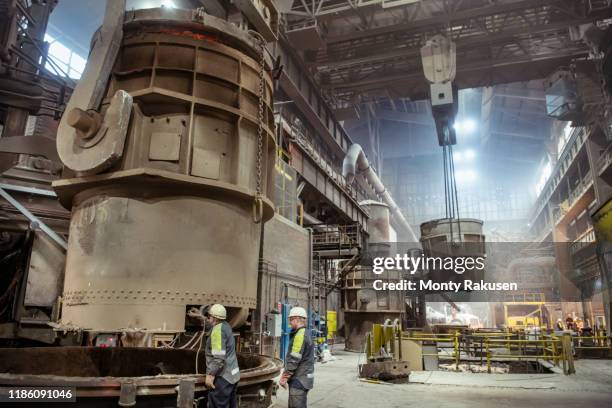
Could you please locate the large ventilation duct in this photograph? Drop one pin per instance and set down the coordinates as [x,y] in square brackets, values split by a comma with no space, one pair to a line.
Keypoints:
[355,162]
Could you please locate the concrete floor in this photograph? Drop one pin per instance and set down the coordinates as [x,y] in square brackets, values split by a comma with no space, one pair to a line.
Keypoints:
[337,385]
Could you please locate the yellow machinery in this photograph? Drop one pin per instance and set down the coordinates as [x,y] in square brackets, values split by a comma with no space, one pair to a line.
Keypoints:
[332,324]
[383,362]
[520,315]
[526,311]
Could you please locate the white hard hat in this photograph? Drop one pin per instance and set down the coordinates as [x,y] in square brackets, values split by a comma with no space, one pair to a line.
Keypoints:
[298,312]
[218,311]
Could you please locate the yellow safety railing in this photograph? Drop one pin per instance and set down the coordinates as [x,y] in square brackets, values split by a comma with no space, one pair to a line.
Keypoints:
[602,342]
[553,349]
[493,345]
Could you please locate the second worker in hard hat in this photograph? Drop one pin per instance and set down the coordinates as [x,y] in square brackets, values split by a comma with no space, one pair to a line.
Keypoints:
[222,372]
[299,363]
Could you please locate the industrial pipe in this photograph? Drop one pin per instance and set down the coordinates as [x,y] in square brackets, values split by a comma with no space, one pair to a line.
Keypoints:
[355,162]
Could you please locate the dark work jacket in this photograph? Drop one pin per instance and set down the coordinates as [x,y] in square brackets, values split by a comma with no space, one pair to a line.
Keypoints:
[300,359]
[221,353]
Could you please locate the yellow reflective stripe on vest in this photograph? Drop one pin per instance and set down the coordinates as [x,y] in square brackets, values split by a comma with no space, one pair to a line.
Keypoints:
[298,340]
[216,341]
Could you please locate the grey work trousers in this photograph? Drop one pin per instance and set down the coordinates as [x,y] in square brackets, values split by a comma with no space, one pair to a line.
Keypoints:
[297,397]
[224,394]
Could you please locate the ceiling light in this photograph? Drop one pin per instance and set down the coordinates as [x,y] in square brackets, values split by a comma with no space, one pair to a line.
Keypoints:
[469,125]
[465,126]
[466,176]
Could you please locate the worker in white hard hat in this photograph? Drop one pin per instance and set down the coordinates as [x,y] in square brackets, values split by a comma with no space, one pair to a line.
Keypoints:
[222,372]
[299,362]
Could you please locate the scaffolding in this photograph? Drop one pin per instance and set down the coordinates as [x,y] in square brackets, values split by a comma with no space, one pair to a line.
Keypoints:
[337,237]
[336,249]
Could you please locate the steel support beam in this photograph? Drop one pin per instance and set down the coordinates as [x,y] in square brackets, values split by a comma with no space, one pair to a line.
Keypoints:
[468,43]
[424,119]
[475,75]
[443,19]
[298,85]
[520,93]
[34,220]
[28,190]
[316,177]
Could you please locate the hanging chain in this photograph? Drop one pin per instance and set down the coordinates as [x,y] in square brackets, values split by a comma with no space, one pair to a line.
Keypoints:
[258,203]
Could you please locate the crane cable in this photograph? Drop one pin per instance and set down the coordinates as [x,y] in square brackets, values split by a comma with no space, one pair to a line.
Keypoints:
[451,200]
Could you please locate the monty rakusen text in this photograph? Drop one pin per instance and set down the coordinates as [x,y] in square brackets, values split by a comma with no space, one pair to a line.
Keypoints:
[412,265]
